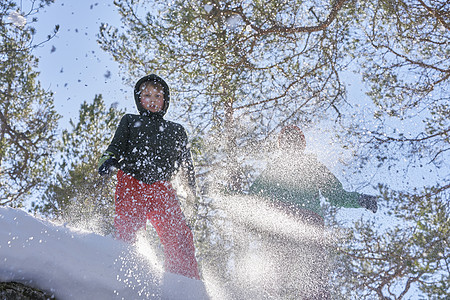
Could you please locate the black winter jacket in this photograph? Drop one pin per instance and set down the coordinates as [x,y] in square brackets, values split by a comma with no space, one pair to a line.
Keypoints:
[150,148]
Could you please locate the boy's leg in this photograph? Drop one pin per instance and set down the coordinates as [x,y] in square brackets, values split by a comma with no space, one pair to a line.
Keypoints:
[130,208]
[168,219]
[305,273]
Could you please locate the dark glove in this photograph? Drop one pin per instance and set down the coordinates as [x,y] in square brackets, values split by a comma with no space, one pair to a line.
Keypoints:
[107,164]
[369,202]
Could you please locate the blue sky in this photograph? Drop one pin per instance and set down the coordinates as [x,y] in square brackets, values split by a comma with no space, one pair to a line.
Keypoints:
[72,65]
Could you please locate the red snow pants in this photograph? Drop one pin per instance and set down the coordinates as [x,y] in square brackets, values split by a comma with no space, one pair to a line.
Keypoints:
[136,202]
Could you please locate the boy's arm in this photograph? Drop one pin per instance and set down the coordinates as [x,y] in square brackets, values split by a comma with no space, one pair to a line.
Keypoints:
[115,150]
[187,165]
[334,191]
[119,142]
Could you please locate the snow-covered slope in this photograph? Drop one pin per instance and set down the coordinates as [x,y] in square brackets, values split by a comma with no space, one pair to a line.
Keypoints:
[75,264]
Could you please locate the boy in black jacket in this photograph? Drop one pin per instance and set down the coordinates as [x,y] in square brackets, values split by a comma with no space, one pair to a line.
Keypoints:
[148,151]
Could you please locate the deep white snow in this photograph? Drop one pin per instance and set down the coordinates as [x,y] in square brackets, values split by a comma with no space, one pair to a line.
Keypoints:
[74,264]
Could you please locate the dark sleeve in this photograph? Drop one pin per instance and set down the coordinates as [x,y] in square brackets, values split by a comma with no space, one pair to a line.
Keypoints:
[187,164]
[119,143]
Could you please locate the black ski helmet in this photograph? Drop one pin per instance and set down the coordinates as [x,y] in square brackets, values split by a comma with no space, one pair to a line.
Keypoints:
[291,138]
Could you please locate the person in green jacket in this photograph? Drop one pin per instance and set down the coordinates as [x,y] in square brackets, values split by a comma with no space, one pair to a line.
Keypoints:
[294,183]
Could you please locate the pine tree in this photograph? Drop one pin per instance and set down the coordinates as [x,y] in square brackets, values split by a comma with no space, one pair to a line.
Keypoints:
[404,59]
[28,119]
[79,195]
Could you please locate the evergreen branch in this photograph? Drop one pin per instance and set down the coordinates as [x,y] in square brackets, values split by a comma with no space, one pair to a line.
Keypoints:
[435,14]
[290,30]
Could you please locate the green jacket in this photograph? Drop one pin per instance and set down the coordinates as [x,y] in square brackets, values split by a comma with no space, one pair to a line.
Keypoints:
[301,182]
[150,148]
